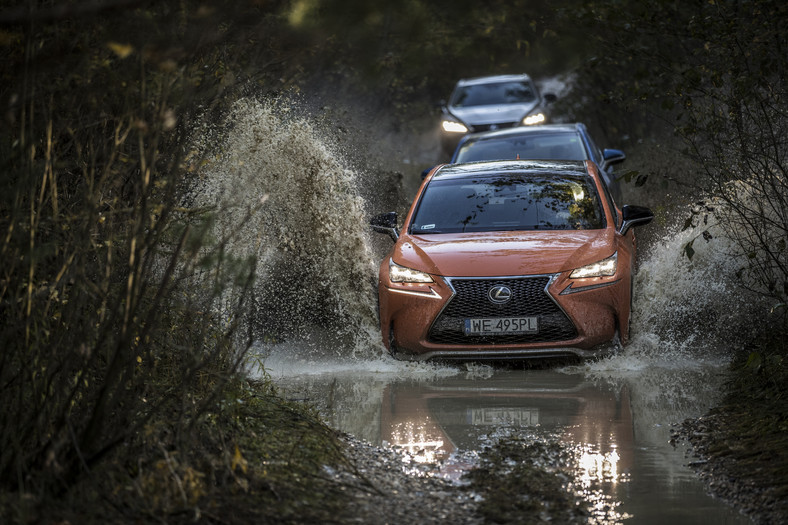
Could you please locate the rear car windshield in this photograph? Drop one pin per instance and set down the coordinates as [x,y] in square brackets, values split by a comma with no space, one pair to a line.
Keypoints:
[508,203]
[494,93]
[556,146]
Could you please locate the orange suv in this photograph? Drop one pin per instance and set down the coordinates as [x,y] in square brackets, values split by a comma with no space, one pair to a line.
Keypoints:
[507,260]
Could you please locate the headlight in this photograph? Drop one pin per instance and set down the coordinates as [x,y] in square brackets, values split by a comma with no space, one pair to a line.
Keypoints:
[605,267]
[453,127]
[401,274]
[536,118]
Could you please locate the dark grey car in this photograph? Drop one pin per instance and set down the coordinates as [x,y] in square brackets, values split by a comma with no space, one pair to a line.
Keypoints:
[545,142]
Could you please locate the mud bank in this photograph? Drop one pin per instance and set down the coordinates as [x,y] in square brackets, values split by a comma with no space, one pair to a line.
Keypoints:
[740,447]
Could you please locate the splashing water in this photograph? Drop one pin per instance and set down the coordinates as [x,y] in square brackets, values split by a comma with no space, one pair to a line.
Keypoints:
[297,210]
[688,313]
[694,302]
[300,212]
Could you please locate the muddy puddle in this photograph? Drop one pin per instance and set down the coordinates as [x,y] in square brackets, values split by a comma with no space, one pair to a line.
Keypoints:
[615,415]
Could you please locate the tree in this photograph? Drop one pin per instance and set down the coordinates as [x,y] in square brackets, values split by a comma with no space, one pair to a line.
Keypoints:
[713,74]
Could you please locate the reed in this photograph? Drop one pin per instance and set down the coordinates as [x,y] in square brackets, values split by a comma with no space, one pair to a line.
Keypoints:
[116,302]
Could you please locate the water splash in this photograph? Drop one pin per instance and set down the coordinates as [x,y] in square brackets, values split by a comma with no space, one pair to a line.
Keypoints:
[297,210]
[301,212]
[689,306]
[689,314]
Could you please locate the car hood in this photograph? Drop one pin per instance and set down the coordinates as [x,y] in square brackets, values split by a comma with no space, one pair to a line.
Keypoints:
[492,254]
[493,114]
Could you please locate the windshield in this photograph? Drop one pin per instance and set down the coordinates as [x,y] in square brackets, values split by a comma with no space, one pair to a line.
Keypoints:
[496,93]
[555,146]
[508,203]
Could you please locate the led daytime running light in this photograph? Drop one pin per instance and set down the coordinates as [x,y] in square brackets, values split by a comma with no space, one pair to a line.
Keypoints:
[537,118]
[454,127]
[402,274]
[603,268]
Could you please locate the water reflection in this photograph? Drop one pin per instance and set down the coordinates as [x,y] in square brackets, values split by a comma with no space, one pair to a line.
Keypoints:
[432,420]
[617,427]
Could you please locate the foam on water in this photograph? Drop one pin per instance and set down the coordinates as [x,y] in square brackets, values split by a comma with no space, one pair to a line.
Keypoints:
[288,359]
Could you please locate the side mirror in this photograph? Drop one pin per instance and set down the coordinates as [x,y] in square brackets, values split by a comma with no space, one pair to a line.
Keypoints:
[426,172]
[386,223]
[613,156]
[634,216]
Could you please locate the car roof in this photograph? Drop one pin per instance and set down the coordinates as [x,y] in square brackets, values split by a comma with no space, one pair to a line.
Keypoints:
[516,167]
[542,129]
[492,79]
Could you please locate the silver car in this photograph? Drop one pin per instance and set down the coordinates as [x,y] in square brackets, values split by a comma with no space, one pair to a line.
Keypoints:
[490,103]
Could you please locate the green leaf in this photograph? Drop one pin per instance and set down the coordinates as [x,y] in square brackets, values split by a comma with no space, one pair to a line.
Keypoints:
[688,250]
[754,361]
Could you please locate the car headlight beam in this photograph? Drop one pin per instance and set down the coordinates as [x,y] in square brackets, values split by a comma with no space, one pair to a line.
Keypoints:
[535,118]
[453,127]
[603,268]
[403,274]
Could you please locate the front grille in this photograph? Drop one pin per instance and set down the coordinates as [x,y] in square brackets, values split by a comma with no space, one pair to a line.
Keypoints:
[487,127]
[529,298]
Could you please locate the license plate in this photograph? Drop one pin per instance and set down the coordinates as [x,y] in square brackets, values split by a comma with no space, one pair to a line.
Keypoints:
[497,416]
[501,325]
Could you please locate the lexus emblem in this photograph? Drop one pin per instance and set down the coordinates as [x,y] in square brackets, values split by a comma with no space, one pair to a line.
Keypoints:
[499,294]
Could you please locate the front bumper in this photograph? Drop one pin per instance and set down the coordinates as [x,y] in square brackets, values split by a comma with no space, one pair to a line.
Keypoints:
[506,354]
[581,322]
